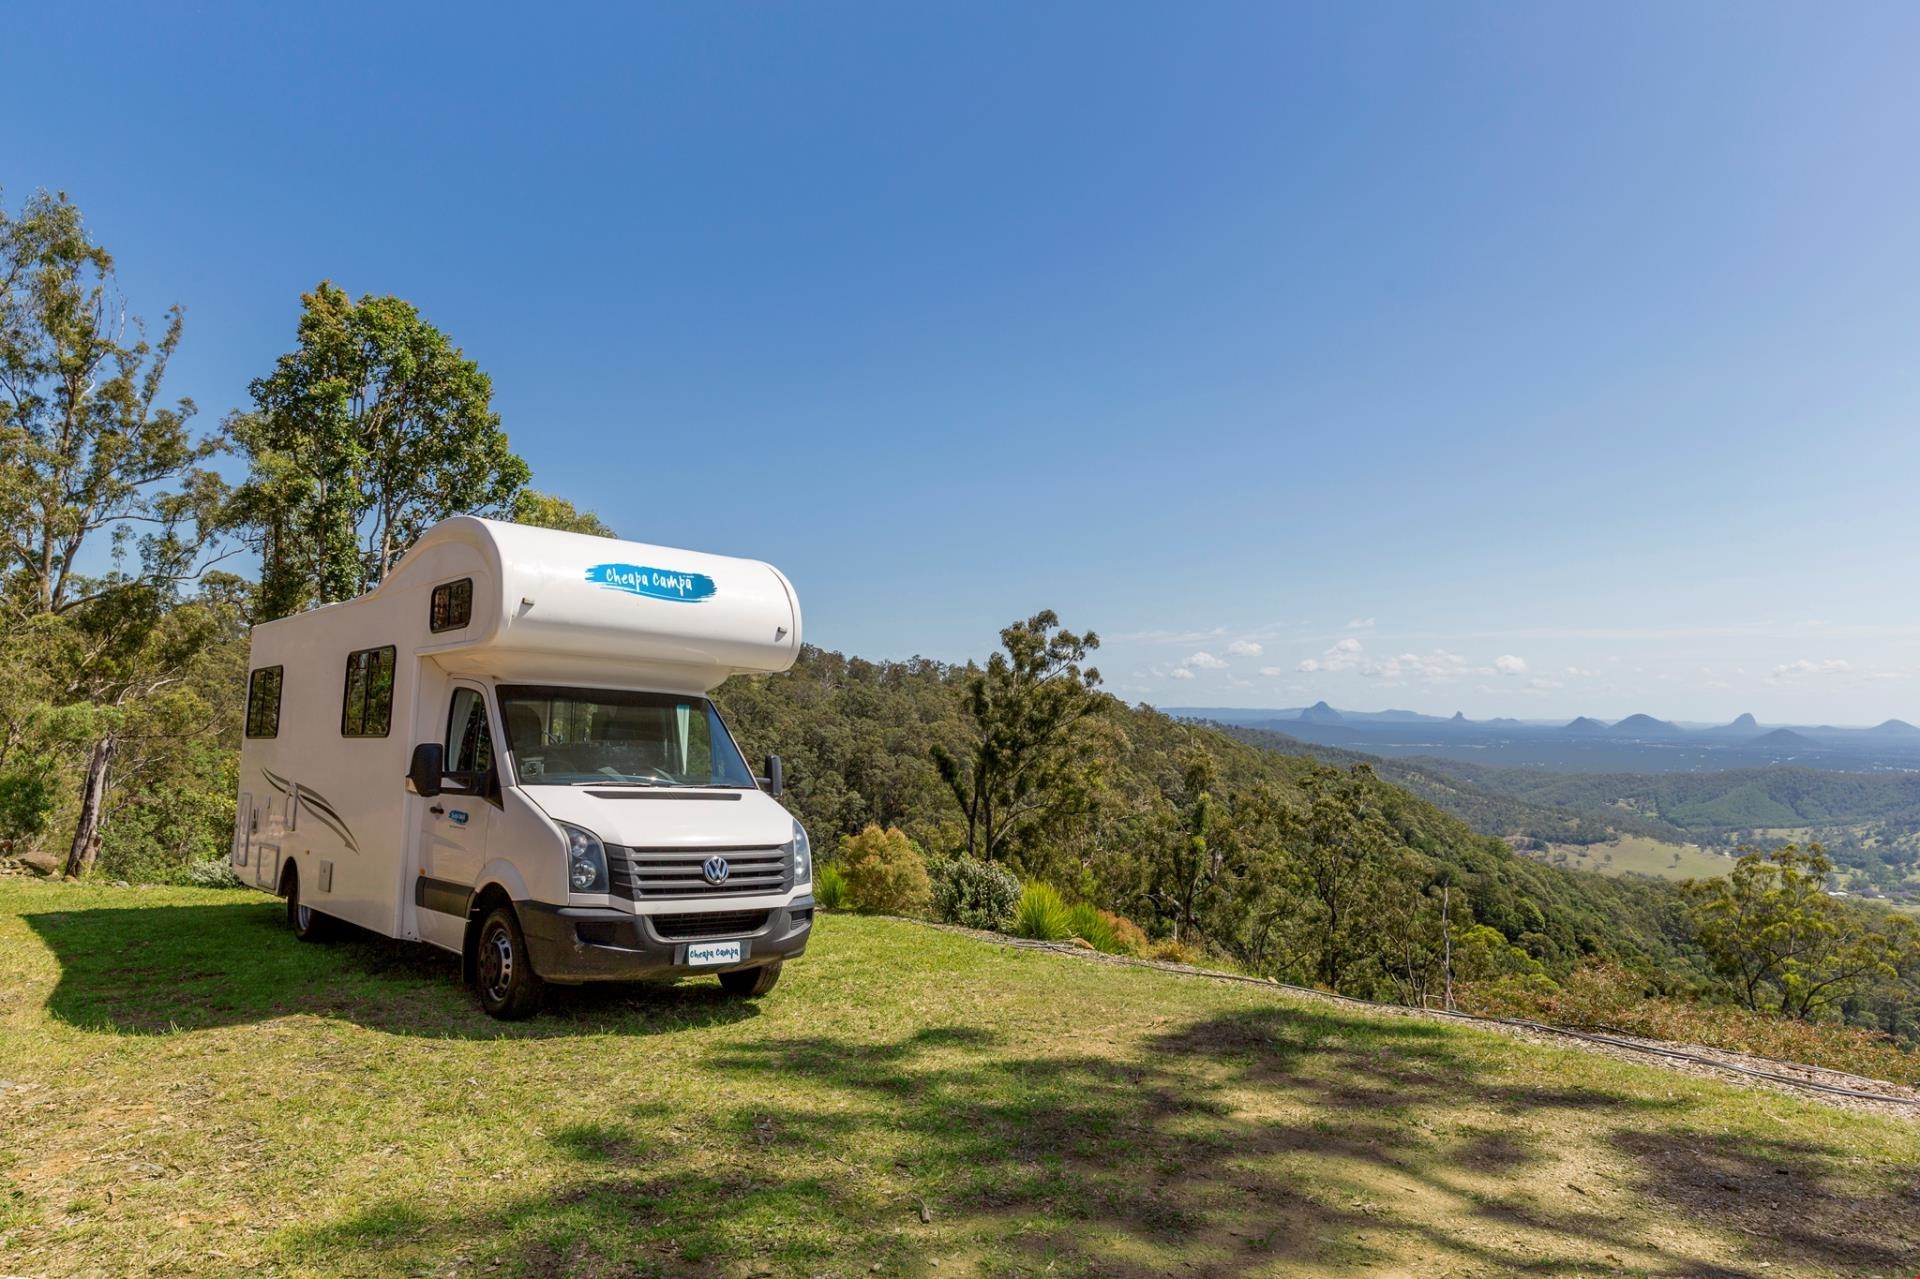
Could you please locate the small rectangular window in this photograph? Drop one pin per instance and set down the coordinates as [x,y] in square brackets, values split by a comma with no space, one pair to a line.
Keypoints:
[367,708]
[263,702]
[452,605]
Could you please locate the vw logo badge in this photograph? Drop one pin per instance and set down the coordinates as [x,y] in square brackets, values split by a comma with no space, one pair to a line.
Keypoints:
[715,869]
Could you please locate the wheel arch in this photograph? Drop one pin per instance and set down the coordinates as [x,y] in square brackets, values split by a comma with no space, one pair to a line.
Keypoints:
[489,895]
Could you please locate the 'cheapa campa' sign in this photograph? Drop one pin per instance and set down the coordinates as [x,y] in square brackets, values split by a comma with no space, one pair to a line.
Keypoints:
[654,583]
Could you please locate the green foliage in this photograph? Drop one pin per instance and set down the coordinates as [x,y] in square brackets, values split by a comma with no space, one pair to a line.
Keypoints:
[26,807]
[974,894]
[372,429]
[1042,914]
[1781,944]
[1090,925]
[830,888]
[885,873]
[544,510]
[1021,774]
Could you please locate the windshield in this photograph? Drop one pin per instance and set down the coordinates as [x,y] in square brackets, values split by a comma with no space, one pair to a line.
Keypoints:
[573,736]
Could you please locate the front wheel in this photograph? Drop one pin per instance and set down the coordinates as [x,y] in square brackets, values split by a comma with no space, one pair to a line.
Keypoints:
[308,924]
[509,988]
[751,982]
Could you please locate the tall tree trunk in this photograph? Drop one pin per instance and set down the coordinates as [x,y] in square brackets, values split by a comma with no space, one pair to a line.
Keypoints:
[93,807]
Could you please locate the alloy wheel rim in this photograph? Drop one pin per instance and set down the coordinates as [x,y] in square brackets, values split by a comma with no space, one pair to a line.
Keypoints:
[304,914]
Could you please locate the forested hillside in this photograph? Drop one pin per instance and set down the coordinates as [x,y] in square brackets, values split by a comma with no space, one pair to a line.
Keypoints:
[857,738]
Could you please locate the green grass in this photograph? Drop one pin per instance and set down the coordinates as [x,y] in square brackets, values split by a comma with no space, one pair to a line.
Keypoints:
[185,1090]
[1638,855]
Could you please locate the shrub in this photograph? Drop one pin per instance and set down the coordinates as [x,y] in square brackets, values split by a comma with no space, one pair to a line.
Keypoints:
[1174,952]
[214,872]
[1128,937]
[829,888]
[1042,915]
[26,807]
[974,894]
[885,873]
[1090,926]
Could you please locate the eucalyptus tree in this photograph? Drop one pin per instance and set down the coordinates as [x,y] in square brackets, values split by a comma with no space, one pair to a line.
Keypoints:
[371,429]
[1020,771]
[108,509]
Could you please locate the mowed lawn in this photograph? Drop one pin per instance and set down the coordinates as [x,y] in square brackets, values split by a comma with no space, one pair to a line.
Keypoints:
[188,1091]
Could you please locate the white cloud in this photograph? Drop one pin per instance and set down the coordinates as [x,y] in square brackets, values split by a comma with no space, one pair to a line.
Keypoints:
[1438,667]
[1244,648]
[1807,666]
[1181,672]
[1581,672]
[1205,661]
[1542,682]
[1167,637]
[1360,624]
[1271,671]
[1508,664]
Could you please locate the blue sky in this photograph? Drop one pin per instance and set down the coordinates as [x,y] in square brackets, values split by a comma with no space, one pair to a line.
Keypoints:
[1392,341]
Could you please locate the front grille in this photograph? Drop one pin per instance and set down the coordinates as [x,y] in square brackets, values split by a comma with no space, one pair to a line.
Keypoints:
[719,923]
[675,872]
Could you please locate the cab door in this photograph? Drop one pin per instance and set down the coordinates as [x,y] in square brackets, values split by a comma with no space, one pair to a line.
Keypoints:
[458,822]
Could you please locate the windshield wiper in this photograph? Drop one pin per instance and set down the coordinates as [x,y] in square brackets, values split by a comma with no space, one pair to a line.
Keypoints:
[622,781]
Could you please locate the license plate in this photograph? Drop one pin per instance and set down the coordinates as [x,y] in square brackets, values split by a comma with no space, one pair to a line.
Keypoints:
[713,952]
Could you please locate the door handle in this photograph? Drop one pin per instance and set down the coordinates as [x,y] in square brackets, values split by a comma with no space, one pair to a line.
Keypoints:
[437,811]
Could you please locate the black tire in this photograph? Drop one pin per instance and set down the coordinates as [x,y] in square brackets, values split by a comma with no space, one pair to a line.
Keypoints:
[751,983]
[307,923]
[503,974]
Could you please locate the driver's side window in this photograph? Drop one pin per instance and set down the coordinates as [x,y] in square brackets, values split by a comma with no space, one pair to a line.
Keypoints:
[469,743]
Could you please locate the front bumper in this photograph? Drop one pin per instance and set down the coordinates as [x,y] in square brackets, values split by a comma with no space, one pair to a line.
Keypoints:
[572,944]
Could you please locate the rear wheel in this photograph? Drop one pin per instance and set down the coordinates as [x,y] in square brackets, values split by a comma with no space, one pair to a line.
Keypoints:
[307,923]
[751,982]
[509,988]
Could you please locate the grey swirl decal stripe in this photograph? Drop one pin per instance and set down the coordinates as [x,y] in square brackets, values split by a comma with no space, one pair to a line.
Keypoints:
[317,804]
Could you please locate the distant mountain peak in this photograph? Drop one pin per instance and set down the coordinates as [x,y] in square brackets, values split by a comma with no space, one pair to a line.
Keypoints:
[1585,724]
[1321,713]
[1644,724]
[1784,737]
[1895,728]
[1746,720]
[1459,717]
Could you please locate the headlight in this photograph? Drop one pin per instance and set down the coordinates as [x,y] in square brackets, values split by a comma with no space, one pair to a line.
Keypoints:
[802,856]
[586,860]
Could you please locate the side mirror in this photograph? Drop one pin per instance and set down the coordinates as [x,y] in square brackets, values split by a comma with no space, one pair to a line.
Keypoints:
[425,769]
[776,778]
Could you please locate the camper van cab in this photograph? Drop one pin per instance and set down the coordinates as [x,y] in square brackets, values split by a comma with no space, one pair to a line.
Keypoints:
[507,750]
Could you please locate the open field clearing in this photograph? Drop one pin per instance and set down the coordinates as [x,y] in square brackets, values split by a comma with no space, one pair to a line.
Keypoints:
[1637,855]
[187,1090]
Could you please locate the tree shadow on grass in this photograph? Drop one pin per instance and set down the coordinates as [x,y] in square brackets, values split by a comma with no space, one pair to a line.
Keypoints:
[161,969]
[1259,1141]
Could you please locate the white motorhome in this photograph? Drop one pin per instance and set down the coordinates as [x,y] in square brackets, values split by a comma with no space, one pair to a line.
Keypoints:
[506,750]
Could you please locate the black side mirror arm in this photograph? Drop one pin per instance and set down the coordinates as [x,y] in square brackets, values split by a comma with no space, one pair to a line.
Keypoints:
[775,782]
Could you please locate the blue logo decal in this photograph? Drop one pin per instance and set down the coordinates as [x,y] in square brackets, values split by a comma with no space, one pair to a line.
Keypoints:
[714,870]
[654,583]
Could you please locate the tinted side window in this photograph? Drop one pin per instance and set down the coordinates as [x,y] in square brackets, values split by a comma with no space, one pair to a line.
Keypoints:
[263,702]
[451,606]
[366,708]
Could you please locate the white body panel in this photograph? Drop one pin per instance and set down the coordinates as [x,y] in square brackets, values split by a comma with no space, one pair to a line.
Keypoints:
[547,608]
